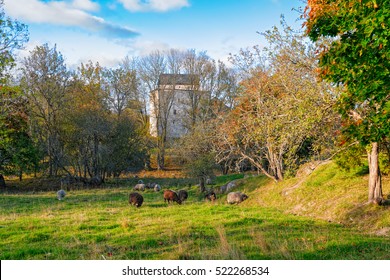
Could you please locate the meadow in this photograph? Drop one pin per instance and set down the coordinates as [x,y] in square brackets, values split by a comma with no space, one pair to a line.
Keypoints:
[100,224]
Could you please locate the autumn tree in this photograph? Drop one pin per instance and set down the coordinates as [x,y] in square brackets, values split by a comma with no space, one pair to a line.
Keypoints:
[280,109]
[358,60]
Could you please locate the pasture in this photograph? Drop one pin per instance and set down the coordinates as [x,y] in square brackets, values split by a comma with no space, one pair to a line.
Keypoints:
[100,224]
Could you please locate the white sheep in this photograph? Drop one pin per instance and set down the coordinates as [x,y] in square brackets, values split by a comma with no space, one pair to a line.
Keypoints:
[61,194]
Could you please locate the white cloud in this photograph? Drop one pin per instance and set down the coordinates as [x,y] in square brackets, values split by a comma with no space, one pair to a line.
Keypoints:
[86,5]
[65,14]
[154,5]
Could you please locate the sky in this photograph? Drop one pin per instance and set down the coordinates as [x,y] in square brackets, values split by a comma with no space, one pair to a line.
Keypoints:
[106,31]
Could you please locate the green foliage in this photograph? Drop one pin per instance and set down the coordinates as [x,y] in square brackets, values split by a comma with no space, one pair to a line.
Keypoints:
[384,163]
[18,151]
[359,60]
[125,148]
[352,158]
[196,152]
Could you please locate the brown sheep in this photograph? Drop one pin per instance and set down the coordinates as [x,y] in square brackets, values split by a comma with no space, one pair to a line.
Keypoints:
[171,196]
[211,196]
[136,199]
[183,195]
[236,197]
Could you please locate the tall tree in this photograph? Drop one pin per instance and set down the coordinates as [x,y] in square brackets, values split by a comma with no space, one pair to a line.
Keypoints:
[358,60]
[87,121]
[45,79]
[150,68]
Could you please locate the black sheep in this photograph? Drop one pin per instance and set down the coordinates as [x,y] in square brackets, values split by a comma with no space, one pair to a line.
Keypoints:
[183,195]
[136,199]
[211,196]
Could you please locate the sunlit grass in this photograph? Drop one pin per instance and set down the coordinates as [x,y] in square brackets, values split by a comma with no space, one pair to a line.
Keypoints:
[100,224]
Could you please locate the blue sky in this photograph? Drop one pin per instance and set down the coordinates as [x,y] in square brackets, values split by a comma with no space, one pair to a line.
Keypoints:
[108,30]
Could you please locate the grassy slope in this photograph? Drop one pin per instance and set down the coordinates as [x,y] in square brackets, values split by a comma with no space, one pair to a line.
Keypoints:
[97,224]
[329,194]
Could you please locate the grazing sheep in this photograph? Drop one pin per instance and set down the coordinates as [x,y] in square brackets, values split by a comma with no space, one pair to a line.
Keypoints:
[227,187]
[140,182]
[136,199]
[139,187]
[236,197]
[157,188]
[61,194]
[211,196]
[171,196]
[222,189]
[183,195]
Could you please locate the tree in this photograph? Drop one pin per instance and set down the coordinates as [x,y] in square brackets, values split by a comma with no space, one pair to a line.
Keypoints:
[18,152]
[150,68]
[13,35]
[281,108]
[358,59]
[45,80]
[87,121]
[196,151]
[15,143]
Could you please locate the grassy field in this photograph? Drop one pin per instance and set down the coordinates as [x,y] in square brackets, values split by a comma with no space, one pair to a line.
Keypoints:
[306,223]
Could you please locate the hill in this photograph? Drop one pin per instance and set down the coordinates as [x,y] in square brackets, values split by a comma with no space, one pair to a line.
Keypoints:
[329,194]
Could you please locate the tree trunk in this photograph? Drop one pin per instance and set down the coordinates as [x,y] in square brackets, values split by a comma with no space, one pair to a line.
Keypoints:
[147,164]
[160,160]
[2,181]
[20,174]
[375,183]
[161,154]
[202,184]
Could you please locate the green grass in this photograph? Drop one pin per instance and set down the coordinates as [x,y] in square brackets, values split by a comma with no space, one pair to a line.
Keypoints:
[100,224]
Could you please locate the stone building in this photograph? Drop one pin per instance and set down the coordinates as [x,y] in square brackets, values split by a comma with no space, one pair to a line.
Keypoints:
[170,104]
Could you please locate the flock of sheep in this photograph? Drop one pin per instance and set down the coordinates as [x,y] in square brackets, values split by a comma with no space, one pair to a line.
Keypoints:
[137,199]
